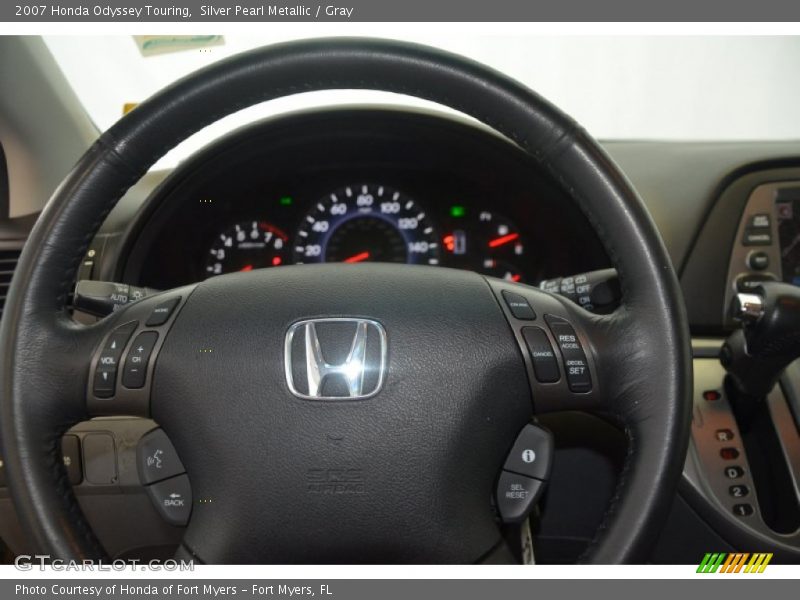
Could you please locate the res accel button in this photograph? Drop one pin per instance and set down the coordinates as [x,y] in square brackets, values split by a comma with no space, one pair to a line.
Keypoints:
[576,366]
[518,306]
[162,313]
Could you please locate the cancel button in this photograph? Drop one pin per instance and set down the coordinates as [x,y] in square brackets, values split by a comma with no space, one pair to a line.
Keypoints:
[545,365]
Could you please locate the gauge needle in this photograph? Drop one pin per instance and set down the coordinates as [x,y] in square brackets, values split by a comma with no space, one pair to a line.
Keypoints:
[247,268]
[503,240]
[357,257]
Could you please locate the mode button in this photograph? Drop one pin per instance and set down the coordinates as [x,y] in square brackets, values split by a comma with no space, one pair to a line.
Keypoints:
[162,313]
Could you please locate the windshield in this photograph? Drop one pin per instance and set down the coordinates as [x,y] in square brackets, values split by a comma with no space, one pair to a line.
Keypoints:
[618,87]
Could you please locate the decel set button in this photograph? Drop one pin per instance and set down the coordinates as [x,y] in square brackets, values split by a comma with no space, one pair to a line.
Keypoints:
[576,366]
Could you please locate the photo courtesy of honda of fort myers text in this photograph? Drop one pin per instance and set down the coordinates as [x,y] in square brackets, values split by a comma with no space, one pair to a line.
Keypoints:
[391,299]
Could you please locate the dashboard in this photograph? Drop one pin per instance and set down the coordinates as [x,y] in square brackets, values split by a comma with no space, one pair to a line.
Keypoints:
[355,186]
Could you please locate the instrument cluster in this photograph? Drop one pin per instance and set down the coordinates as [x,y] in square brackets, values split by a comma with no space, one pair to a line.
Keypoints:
[372,222]
[357,186]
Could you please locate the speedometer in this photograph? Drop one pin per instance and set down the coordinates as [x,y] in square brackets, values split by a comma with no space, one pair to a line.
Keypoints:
[367,222]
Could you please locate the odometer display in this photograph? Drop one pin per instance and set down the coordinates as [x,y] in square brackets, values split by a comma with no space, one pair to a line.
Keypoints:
[365,222]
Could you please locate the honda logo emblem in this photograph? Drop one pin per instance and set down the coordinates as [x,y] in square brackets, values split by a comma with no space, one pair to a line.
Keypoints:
[335,358]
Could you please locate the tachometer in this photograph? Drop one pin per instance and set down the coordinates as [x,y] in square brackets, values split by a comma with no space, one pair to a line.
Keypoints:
[247,246]
[367,222]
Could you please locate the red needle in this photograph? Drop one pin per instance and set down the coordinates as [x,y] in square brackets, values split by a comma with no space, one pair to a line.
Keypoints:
[503,240]
[247,268]
[357,257]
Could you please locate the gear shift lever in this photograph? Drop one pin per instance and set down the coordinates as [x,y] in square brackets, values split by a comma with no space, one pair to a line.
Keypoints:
[756,355]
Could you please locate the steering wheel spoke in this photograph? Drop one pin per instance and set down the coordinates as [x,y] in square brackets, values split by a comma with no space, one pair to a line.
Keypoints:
[122,364]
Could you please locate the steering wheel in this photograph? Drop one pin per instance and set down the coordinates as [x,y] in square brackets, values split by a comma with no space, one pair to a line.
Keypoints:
[401,462]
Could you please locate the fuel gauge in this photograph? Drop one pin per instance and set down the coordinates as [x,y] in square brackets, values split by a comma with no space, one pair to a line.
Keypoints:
[499,235]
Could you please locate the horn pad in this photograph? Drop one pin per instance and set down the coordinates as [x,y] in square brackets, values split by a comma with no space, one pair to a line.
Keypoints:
[404,473]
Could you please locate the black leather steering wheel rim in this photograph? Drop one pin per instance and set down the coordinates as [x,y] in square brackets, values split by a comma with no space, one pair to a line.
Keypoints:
[44,381]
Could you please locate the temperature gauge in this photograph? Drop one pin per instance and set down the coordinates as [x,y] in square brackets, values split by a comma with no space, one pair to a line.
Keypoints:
[501,270]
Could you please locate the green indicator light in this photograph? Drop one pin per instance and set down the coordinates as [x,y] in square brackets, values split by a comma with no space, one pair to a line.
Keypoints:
[457,211]
[286,201]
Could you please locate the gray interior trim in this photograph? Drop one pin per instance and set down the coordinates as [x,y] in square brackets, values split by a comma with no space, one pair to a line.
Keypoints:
[44,128]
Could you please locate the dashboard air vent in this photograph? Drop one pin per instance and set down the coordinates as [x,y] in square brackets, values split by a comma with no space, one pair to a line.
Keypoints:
[8,262]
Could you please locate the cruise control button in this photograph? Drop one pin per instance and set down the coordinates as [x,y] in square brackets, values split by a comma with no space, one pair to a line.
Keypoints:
[519,306]
[516,496]
[532,453]
[156,458]
[162,312]
[71,453]
[576,366]
[172,499]
[135,371]
[743,510]
[545,365]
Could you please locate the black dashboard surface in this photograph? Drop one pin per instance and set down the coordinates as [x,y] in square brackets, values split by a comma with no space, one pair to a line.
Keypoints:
[354,185]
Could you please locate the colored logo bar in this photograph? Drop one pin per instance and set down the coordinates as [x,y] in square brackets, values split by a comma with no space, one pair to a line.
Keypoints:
[737,562]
